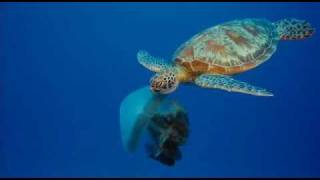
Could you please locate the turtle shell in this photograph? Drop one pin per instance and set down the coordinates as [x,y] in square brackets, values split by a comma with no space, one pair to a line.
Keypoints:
[229,48]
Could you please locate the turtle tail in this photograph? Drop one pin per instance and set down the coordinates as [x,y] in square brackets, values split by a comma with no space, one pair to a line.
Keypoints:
[294,29]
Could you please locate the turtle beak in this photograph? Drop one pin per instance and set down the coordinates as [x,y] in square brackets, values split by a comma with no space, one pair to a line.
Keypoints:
[155,86]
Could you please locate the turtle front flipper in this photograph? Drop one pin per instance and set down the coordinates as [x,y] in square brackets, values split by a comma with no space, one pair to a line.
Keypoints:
[229,84]
[152,63]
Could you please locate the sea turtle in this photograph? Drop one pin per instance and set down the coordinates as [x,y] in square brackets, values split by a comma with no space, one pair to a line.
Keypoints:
[209,58]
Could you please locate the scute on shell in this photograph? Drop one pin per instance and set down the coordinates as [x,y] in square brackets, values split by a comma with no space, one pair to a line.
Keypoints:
[231,47]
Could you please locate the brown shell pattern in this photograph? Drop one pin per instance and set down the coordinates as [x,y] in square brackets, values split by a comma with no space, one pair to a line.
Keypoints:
[229,48]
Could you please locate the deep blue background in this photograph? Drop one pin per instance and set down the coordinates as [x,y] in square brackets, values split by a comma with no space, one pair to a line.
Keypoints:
[65,67]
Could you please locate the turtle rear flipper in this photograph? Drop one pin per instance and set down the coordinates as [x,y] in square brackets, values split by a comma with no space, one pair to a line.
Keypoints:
[294,29]
[152,63]
[229,84]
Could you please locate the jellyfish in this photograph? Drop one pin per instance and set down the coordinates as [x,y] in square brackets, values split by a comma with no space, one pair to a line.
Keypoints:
[163,119]
[135,112]
[168,131]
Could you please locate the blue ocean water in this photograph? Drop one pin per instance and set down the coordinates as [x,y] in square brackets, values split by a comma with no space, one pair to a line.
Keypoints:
[66,67]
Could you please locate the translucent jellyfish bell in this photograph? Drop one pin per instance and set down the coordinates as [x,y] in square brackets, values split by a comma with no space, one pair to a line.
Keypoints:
[135,112]
[165,121]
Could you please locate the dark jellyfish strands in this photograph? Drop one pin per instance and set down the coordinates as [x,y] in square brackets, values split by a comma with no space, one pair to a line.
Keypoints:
[165,121]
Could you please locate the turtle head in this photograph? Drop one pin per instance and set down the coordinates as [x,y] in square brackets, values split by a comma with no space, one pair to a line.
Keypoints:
[164,82]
